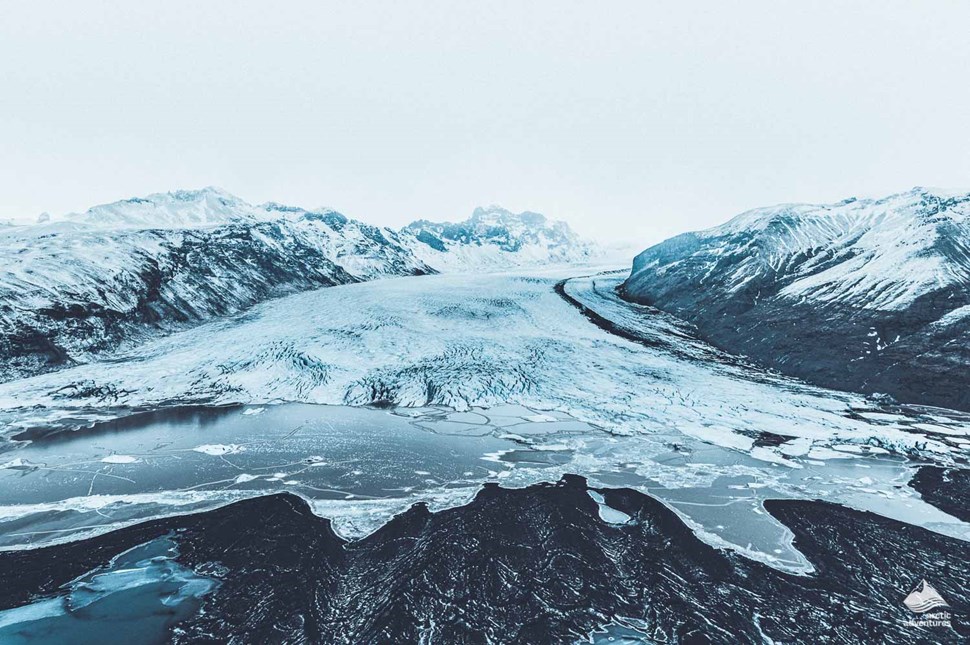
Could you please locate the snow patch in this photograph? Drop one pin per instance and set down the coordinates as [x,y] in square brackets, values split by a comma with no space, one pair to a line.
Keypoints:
[218,449]
[120,459]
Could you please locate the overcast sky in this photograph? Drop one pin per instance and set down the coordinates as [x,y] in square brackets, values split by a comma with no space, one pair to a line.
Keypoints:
[628,119]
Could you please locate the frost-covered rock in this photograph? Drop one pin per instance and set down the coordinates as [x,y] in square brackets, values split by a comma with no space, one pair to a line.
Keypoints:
[869,295]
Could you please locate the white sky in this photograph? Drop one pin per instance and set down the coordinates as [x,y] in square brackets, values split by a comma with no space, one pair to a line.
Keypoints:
[631,120]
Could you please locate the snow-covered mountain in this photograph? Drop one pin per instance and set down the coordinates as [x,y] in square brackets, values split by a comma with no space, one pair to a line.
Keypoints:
[496,238]
[178,209]
[870,295]
[80,285]
[84,284]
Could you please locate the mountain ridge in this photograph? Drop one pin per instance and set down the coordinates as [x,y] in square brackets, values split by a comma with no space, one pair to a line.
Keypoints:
[502,237]
[842,294]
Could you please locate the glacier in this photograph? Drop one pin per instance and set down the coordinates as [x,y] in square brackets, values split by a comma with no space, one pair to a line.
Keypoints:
[397,377]
[655,408]
[462,341]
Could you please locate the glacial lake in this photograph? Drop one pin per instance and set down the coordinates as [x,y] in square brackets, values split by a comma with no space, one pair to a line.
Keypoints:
[360,466]
[187,459]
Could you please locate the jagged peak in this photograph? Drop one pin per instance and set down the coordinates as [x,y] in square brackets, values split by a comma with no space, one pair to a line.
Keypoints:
[276,207]
[201,193]
[498,214]
[495,210]
[847,213]
[495,216]
[530,235]
[208,206]
[180,195]
[879,253]
[933,191]
[193,208]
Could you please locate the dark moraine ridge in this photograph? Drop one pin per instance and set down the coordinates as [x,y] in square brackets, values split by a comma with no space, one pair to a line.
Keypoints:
[603,323]
[532,565]
[674,336]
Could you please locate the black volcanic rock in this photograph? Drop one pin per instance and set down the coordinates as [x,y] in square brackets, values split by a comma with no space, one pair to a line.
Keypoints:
[870,296]
[535,565]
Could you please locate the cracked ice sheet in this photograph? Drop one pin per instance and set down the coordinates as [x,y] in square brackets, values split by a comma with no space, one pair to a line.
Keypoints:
[183,460]
[509,349]
[358,466]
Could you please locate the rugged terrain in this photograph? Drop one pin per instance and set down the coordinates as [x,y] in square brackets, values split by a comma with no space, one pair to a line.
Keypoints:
[544,564]
[866,295]
[176,490]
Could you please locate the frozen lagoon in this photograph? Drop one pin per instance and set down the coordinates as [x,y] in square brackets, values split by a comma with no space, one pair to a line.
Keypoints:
[361,466]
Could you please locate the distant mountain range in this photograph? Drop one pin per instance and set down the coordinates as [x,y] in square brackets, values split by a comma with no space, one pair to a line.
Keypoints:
[494,238]
[870,295]
[74,287]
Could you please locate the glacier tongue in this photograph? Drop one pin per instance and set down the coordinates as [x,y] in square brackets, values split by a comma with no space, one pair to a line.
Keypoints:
[465,341]
[654,409]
